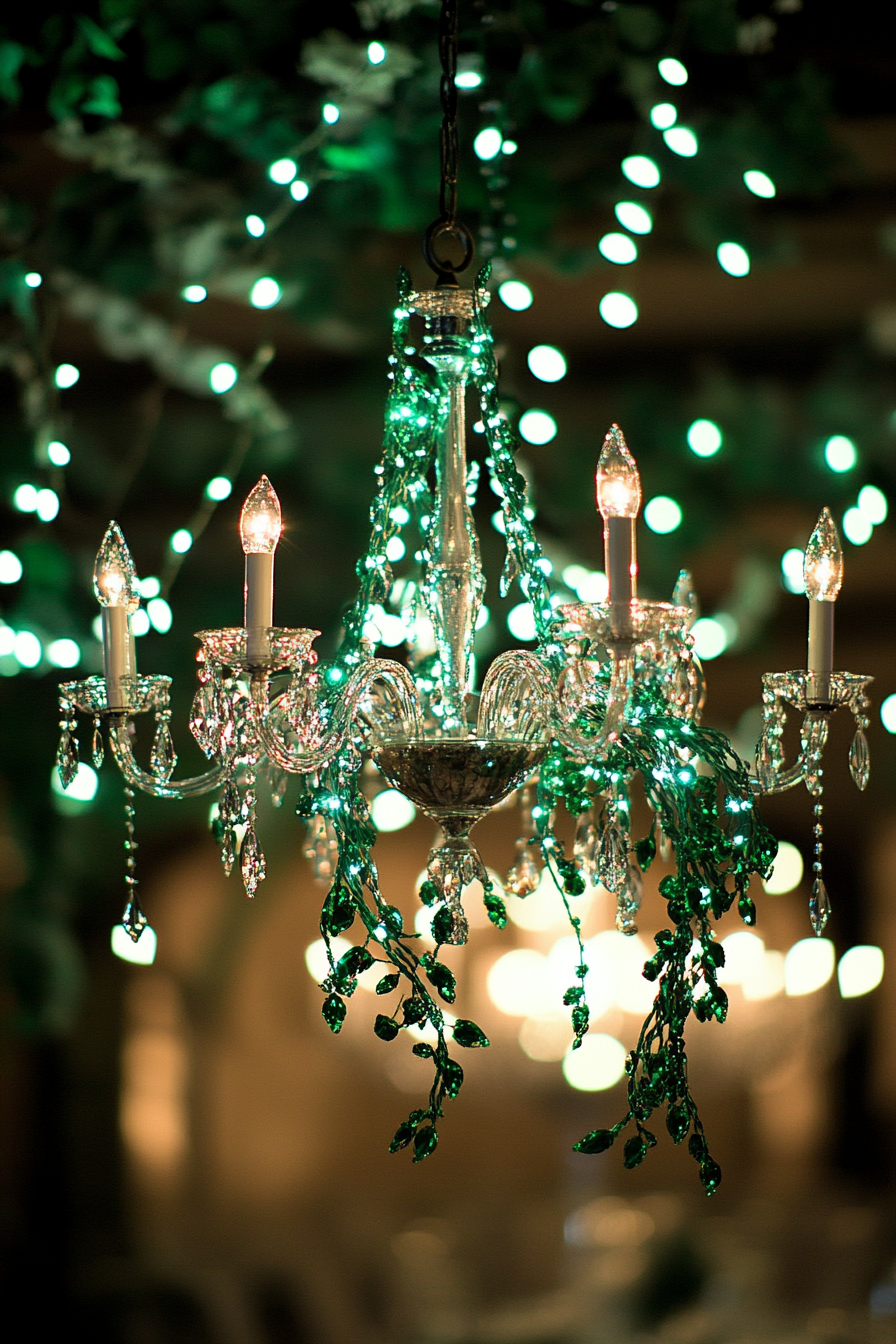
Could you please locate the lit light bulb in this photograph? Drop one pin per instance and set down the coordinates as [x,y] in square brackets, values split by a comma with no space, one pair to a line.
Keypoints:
[618,483]
[823,565]
[114,575]
[261,520]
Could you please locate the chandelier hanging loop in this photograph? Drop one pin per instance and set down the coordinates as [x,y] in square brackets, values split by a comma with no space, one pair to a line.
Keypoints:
[448,229]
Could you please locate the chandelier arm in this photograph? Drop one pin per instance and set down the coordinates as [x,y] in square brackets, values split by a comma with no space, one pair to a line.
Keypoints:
[522,677]
[383,672]
[782,779]
[120,741]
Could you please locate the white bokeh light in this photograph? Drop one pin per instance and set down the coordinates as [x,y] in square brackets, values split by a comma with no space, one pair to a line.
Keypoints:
[808,966]
[392,811]
[860,970]
[546,363]
[599,1063]
[787,870]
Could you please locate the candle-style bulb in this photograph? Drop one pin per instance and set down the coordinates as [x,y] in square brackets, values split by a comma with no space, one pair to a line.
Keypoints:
[618,485]
[114,575]
[823,565]
[261,520]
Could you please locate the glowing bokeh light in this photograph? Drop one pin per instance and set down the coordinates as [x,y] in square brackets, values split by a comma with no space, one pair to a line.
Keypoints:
[392,811]
[537,427]
[640,170]
[733,258]
[808,966]
[618,310]
[618,248]
[672,71]
[662,514]
[840,453]
[704,438]
[515,294]
[633,216]
[546,363]
[787,870]
[759,183]
[860,970]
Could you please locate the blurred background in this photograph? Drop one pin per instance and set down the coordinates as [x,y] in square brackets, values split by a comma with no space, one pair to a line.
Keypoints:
[688,207]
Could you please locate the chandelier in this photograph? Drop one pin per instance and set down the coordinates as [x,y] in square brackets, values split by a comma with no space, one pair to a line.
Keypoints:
[611,693]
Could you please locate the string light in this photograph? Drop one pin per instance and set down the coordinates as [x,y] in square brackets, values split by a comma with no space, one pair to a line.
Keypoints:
[330,113]
[34,279]
[840,453]
[376,53]
[509,147]
[198,293]
[733,258]
[255,226]
[672,71]
[618,248]
[24,498]
[265,292]
[546,363]
[704,438]
[759,183]
[641,171]
[66,376]
[58,453]
[299,190]
[663,115]
[282,171]
[46,505]
[618,310]
[633,216]
[181,541]
[487,144]
[681,141]
[516,295]
[537,427]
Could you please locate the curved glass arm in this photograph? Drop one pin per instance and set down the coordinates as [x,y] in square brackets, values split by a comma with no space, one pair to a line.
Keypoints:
[779,781]
[400,711]
[520,701]
[120,741]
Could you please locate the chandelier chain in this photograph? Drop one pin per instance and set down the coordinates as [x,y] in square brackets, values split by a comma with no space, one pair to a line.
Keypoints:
[448,93]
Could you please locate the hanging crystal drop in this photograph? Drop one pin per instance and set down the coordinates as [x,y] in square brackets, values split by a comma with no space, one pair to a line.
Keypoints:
[524,876]
[819,906]
[67,757]
[508,573]
[163,757]
[859,759]
[97,749]
[133,918]
[202,720]
[628,901]
[228,850]
[585,846]
[612,860]
[252,864]
[229,803]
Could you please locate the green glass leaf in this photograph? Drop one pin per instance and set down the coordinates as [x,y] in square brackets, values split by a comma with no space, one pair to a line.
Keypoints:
[443,925]
[393,919]
[338,912]
[697,1147]
[468,1034]
[634,1152]
[747,910]
[645,851]
[403,1136]
[385,1027]
[441,977]
[429,893]
[580,1019]
[333,1013]
[710,1175]
[495,908]
[422,1050]
[598,1141]
[452,1076]
[388,984]
[678,1122]
[425,1141]
[414,1010]
[353,963]
[573,882]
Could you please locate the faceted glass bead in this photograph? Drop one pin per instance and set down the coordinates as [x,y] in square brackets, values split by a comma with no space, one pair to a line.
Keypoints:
[252,862]
[163,757]
[67,758]
[134,919]
[524,876]
[97,751]
[612,863]
[860,760]
[819,906]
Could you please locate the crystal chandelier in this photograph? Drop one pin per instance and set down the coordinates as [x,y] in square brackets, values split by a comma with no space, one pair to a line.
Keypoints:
[611,693]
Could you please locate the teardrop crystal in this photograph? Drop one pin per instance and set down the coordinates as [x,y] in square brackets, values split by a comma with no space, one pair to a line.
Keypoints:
[524,876]
[163,757]
[97,752]
[612,862]
[229,803]
[252,864]
[860,759]
[585,847]
[228,851]
[819,906]
[67,758]
[508,573]
[203,723]
[133,918]
[765,764]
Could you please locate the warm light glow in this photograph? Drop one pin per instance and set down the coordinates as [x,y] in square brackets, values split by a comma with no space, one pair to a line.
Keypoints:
[545,1038]
[787,870]
[599,1063]
[392,811]
[860,970]
[261,521]
[618,483]
[516,982]
[808,966]
[114,576]
[823,566]
[744,955]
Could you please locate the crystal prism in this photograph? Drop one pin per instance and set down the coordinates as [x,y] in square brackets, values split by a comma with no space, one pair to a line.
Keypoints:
[612,861]
[97,751]
[859,759]
[229,804]
[252,864]
[133,918]
[819,906]
[228,850]
[203,721]
[67,758]
[524,876]
[628,901]
[163,758]
[508,573]
[585,847]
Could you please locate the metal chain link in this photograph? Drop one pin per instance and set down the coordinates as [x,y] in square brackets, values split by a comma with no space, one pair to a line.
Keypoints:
[448,93]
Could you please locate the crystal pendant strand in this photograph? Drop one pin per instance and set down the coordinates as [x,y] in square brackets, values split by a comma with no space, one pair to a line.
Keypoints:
[163,757]
[585,845]
[67,751]
[133,918]
[814,737]
[252,861]
[229,813]
[525,873]
[97,746]
[859,756]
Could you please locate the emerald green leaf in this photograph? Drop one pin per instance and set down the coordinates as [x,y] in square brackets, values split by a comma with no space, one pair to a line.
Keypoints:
[678,1122]
[710,1175]
[467,1034]
[441,977]
[495,908]
[425,1141]
[388,984]
[422,1050]
[598,1141]
[333,1013]
[98,40]
[443,925]
[634,1152]
[385,1027]
[338,912]
[645,851]
[403,1135]
[452,1076]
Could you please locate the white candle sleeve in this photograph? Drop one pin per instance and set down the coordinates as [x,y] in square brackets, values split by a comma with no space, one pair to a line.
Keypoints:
[117,663]
[820,663]
[259,605]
